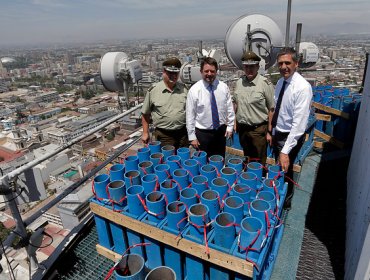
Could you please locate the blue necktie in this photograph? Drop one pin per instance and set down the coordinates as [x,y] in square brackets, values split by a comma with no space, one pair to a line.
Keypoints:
[278,104]
[215,118]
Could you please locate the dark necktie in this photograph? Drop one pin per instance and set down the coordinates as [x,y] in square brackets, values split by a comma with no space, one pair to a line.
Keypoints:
[278,104]
[215,117]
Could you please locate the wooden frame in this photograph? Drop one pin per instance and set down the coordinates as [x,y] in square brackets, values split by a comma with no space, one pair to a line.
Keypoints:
[216,257]
[329,138]
[331,110]
[323,117]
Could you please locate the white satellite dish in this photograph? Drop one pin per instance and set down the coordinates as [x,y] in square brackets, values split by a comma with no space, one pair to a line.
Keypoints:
[257,33]
[190,73]
[309,54]
[117,72]
[116,68]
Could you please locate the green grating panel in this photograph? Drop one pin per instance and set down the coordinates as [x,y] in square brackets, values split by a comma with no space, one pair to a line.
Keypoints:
[83,262]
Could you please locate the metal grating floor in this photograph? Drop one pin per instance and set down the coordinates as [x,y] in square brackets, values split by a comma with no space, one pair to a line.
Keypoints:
[322,253]
[83,262]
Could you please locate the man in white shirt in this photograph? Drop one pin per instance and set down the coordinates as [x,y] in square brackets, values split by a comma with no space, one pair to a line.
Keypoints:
[288,124]
[209,111]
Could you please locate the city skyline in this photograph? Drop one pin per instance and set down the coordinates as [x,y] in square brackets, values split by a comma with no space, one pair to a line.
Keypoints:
[51,21]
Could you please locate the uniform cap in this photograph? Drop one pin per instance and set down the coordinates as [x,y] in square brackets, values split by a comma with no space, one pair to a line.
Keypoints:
[172,64]
[250,58]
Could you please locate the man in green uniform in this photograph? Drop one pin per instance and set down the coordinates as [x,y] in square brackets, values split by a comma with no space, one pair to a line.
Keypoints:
[165,103]
[254,102]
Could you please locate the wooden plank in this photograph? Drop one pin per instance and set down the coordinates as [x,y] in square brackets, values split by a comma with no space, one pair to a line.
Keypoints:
[323,117]
[270,161]
[297,168]
[331,110]
[329,138]
[109,254]
[189,247]
[306,137]
[233,151]
[318,144]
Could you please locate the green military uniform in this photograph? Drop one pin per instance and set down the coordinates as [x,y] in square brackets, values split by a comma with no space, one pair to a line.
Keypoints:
[254,99]
[168,113]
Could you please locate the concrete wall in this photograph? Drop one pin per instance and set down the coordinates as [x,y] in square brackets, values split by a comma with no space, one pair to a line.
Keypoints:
[357,256]
[34,188]
[51,165]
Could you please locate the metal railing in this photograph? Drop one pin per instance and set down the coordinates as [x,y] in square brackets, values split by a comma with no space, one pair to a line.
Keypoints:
[8,181]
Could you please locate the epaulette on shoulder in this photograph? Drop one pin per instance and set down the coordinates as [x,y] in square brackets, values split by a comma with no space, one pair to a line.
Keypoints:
[267,81]
[151,88]
[181,85]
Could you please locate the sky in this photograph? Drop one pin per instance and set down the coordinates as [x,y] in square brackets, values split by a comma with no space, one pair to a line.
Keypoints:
[25,22]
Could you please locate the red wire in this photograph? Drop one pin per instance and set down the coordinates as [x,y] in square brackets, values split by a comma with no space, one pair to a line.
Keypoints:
[110,272]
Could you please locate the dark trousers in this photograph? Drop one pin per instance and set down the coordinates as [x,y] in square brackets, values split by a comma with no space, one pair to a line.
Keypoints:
[253,140]
[212,141]
[278,143]
[175,137]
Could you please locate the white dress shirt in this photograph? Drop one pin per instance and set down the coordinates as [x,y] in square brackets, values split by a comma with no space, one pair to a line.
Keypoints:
[198,107]
[294,109]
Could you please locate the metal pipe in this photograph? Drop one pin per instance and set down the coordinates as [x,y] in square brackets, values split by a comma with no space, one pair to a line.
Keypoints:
[287,31]
[21,225]
[364,76]
[249,37]
[20,228]
[35,162]
[298,39]
[125,90]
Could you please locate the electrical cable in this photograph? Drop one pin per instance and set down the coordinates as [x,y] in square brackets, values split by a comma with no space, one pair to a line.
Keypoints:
[267,51]
[14,198]
[41,247]
[7,260]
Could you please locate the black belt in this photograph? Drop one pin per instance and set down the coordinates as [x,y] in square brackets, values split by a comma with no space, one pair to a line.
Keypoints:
[211,130]
[164,130]
[281,134]
[254,126]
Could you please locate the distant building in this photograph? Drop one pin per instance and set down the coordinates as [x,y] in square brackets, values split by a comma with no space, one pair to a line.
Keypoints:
[3,84]
[105,150]
[74,207]
[8,124]
[77,128]
[35,117]
[92,109]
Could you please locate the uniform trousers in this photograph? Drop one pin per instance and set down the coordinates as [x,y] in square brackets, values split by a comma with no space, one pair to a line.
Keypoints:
[212,141]
[174,137]
[253,140]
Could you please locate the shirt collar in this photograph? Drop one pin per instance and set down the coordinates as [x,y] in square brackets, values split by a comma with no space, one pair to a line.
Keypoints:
[214,84]
[254,81]
[164,88]
[289,80]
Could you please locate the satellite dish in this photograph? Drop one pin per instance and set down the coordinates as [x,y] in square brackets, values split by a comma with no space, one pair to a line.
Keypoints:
[190,73]
[116,68]
[308,54]
[117,72]
[109,67]
[257,33]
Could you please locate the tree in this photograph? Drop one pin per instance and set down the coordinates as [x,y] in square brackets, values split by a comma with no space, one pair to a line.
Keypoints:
[110,136]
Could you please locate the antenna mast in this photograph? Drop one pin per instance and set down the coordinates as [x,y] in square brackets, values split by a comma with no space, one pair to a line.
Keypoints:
[287,31]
